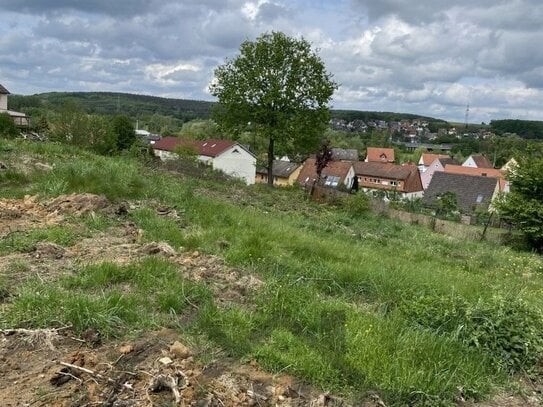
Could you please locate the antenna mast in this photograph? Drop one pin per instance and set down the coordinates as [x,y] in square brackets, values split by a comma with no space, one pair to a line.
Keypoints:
[467,115]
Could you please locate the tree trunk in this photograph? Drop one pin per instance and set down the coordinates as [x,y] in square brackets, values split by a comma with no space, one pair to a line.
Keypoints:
[270,161]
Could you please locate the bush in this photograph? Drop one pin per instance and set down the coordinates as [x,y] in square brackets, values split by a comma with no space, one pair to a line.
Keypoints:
[357,204]
[505,327]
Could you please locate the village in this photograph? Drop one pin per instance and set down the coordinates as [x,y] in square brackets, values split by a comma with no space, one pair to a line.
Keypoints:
[473,183]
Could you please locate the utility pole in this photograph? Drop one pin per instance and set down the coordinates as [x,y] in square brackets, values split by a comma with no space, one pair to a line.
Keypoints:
[467,115]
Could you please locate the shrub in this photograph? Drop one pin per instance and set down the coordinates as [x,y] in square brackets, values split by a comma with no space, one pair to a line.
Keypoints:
[505,327]
[356,204]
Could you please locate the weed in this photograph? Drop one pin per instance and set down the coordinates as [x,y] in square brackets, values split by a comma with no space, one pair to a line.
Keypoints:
[25,241]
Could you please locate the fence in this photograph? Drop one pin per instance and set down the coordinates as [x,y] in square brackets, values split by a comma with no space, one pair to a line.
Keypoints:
[449,228]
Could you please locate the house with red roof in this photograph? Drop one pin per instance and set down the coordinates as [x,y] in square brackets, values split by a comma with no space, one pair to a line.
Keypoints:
[227,156]
[426,159]
[481,172]
[438,164]
[378,154]
[336,174]
[403,180]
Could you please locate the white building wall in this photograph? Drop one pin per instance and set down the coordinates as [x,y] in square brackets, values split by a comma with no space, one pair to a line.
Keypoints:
[165,155]
[349,179]
[237,162]
[3,102]
[469,163]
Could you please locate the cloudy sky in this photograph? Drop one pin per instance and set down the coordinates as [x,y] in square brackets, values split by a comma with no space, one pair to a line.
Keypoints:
[429,57]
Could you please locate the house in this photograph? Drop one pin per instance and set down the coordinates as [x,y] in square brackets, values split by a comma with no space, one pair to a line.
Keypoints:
[227,156]
[344,154]
[19,118]
[284,173]
[377,154]
[477,161]
[471,191]
[428,158]
[438,164]
[336,174]
[482,172]
[402,179]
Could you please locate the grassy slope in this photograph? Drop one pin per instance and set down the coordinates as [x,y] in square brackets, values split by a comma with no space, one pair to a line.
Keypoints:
[351,302]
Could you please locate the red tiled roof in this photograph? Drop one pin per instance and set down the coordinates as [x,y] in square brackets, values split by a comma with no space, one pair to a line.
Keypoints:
[377,154]
[428,158]
[308,174]
[409,174]
[209,148]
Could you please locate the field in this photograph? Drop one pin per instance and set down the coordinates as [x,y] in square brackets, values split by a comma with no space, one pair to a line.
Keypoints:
[329,303]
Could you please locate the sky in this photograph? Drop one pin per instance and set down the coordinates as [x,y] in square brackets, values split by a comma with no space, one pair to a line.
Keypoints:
[427,57]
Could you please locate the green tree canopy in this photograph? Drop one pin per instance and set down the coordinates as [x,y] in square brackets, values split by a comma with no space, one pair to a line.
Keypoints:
[123,129]
[277,87]
[523,205]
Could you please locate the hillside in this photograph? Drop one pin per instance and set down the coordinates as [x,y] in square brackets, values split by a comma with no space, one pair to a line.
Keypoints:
[139,105]
[152,283]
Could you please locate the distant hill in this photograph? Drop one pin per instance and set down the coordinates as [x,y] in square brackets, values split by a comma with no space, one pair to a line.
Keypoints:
[528,129]
[351,115]
[139,105]
[112,103]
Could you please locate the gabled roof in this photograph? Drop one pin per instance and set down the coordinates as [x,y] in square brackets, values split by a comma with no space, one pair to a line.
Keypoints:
[382,170]
[282,169]
[482,172]
[471,191]
[308,174]
[344,154]
[409,174]
[481,161]
[380,154]
[428,158]
[3,91]
[209,148]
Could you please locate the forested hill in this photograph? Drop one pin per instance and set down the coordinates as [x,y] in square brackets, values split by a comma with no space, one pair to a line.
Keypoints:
[139,105]
[524,128]
[112,103]
[351,115]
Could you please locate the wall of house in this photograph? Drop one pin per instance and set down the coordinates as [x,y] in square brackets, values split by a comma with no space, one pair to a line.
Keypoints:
[165,155]
[427,175]
[280,181]
[3,102]
[237,162]
[469,163]
[383,183]
[349,179]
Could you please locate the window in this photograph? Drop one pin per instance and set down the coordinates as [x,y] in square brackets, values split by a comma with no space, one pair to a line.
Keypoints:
[479,199]
[395,183]
[235,150]
[331,181]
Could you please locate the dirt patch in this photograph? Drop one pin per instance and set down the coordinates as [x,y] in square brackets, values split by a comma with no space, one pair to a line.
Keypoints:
[145,372]
[30,213]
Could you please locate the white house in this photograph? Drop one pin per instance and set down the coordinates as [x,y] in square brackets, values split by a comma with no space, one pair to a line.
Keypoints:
[224,155]
[19,118]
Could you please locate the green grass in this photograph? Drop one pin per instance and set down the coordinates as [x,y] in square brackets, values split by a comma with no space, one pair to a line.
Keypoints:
[110,298]
[26,241]
[352,301]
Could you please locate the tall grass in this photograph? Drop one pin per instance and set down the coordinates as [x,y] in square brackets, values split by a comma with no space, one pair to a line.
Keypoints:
[351,303]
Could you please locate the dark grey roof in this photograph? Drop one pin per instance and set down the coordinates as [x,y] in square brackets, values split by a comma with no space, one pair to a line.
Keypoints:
[471,191]
[3,91]
[281,169]
[345,154]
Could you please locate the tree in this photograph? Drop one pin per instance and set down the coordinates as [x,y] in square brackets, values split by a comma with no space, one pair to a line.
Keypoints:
[123,129]
[523,205]
[278,87]
[8,129]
